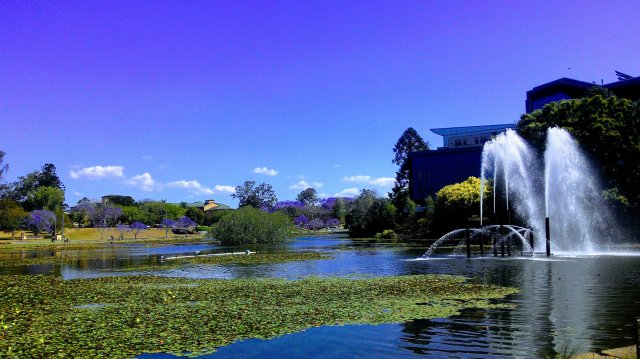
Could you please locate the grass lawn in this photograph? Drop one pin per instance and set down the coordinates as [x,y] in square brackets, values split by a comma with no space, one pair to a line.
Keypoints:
[87,237]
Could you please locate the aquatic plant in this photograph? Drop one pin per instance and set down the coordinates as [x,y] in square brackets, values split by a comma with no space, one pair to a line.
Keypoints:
[44,316]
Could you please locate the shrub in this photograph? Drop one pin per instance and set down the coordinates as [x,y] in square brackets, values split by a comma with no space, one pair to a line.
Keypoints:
[249,226]
[386,234]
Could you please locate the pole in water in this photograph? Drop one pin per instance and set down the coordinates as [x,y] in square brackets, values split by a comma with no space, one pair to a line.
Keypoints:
[509,247]
[501,241]
[637,337]
[531,239]
[481,244]
[548,233]
[466,236]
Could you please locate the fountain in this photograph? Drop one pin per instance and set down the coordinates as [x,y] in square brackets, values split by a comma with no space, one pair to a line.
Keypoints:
[557,198]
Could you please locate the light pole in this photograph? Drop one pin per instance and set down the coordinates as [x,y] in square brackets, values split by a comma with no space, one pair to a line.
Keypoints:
[164,223]
[62,227]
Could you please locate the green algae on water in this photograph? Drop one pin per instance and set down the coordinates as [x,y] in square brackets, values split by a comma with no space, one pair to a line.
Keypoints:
[44,316]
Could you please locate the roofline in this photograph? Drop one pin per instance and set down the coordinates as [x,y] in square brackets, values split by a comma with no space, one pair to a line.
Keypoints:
[488,127]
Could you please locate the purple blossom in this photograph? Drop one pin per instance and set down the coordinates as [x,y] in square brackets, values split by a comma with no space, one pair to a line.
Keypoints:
[41,221]
[316,224]
[288,204]
[301,221]
[332,222]
[169,223]
[186,222]
[111,214]
[122,229]
[136,227]
[327,203]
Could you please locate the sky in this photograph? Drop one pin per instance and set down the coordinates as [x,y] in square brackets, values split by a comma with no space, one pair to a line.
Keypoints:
[184,100]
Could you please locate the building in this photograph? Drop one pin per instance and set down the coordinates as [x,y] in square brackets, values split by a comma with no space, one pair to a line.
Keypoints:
[210,208]
[563,89]
[461,152]
[469,136]
[458,158]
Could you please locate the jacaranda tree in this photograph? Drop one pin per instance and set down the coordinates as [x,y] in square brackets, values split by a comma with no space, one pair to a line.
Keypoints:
[41,221]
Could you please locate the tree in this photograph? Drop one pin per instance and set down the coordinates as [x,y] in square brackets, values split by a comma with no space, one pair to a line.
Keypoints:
[458,204]
[607,129]
[339,208]
[315,224]
[308,196]
[356,217]
[261,196]
[301,221]
[379,216]
[49,178]
[186,224]
[136,214]
[167,224]
[11,216]
[41,221]
[250,226]
[136,227]
[332,222]
[19,191]
[110,215]
[4,168]
[46,197]
[120,200]
[122,229]
[83,213]
[409,141]
[196,213]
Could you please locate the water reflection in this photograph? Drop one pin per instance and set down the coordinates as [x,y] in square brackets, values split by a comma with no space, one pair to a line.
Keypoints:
[583,303]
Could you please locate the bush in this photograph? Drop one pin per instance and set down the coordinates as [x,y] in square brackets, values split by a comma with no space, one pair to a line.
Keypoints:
[249,226]
[386,234]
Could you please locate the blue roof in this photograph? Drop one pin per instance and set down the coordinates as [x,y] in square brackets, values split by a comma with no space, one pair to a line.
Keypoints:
[450,131]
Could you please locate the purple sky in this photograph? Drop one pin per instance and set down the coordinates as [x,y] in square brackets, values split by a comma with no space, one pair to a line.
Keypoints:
[179,100]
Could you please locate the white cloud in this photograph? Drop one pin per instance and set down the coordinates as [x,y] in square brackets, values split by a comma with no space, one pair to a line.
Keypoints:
[358,178]
[225,189]
[193,186]
[78,194]
[381,181]
[265,171]
[146,158]
[96,172]
[143,182]
[302,184]
[348,192]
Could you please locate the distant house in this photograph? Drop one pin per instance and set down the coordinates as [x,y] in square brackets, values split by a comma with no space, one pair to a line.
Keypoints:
[210,208]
